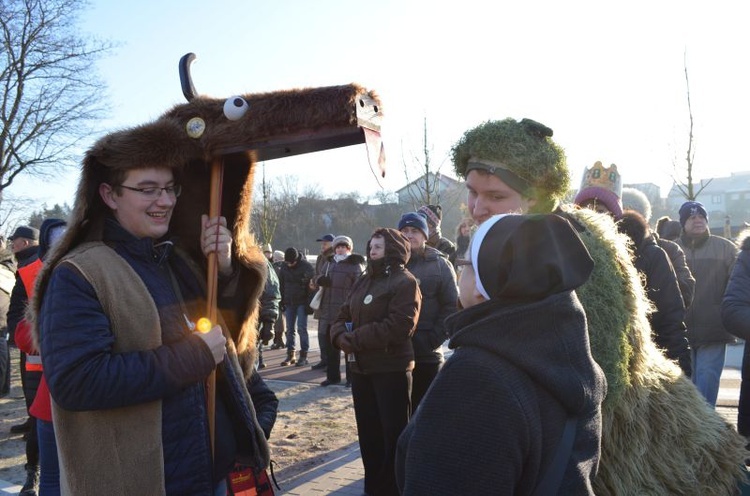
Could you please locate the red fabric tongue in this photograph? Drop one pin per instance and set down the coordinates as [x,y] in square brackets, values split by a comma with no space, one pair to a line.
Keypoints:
[375,152]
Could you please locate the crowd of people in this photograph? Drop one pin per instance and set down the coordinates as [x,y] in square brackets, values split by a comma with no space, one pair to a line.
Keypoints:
[587,344]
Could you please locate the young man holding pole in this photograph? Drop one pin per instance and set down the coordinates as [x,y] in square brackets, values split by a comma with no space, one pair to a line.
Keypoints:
[117,307]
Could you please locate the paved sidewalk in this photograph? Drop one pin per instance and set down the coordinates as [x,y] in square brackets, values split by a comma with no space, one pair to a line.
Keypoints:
[339,472]
[342,474]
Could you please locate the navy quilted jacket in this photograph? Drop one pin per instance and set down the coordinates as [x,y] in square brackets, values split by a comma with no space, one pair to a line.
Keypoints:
[83,375]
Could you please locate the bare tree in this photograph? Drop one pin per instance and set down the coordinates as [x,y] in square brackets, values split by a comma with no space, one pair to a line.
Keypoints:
[15,211]
[687,188]
[51,93]
[384,197]
[265,217]
[425,188]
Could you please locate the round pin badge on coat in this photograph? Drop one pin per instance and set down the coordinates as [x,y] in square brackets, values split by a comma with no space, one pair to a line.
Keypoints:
[368,299]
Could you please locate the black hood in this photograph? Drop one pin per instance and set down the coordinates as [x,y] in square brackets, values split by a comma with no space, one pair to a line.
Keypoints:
[44,235]
[543,338]
[528,257]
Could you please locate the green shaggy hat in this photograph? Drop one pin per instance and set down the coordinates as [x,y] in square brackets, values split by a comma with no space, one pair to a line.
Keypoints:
[526,150]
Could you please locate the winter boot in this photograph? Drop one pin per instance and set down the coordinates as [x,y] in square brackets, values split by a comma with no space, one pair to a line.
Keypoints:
[21,428]
[320,365]
[302,359]
[31,486]
[291,358]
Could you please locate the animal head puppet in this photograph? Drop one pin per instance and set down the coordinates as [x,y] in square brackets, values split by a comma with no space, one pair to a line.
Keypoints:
[230,134]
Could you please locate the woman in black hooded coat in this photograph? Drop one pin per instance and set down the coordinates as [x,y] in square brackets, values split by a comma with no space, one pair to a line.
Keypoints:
[521,375]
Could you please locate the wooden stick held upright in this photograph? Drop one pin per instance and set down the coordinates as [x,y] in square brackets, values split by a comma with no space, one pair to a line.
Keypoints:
[212,312]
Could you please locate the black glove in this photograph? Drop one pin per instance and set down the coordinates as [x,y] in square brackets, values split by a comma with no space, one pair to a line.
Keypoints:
[324,281]
[266,332]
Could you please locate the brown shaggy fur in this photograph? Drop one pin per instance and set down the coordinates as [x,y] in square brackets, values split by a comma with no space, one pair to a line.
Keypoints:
[277,124]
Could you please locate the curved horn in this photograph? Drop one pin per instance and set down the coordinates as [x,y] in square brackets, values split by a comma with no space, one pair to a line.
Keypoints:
[185,80]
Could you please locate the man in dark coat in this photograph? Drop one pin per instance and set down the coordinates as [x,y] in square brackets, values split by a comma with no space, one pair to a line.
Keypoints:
[437,282]
[24,243]
[295,278]
[735,314]
[7,281]
[710,259]
[667,321]
[279,327]
[269,310]
[685,278]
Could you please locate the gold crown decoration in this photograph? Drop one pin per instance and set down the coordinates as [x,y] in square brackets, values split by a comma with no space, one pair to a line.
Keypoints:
[597,176]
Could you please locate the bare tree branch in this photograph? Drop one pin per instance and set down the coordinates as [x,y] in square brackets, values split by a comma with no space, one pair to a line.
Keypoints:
[51,92]
[687,188]
[425,189]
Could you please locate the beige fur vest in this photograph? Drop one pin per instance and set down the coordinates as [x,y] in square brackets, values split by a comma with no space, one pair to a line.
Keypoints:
[100,450]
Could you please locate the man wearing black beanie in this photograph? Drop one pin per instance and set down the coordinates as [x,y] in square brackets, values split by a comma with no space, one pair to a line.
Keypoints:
[710,259]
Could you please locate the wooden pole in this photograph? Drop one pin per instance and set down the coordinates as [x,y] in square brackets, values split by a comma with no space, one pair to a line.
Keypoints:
[212,312]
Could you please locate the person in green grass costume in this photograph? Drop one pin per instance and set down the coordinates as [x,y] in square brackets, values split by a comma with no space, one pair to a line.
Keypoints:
[658,434]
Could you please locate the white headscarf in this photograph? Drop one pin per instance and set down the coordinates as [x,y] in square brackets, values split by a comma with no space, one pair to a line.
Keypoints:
[476,242]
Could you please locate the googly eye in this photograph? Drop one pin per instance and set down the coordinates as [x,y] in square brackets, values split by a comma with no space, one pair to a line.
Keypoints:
[235,107]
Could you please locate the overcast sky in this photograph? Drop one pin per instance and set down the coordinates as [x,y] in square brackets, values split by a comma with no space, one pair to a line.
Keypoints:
[607,78]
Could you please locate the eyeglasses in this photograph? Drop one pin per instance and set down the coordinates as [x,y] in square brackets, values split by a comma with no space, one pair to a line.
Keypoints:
[154,192]
[461,262]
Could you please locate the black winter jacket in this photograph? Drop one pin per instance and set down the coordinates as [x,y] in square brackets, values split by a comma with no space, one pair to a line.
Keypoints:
[270,298]
[685,278]
[518,373]
[295,282]
[18,297]
[735,307]
[667,321]
[437,283]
